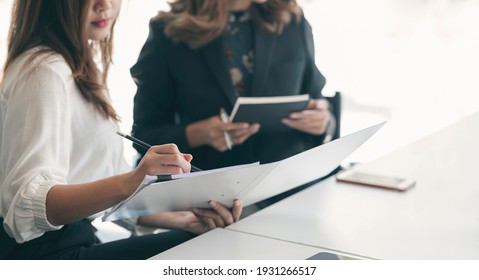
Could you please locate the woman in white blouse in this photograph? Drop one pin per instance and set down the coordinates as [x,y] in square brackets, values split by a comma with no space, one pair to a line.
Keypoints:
[61,161]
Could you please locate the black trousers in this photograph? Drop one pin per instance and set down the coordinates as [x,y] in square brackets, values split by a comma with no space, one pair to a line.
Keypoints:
[78,241]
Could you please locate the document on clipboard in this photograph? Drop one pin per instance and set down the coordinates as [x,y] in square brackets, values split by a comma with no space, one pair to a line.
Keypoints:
[250,183]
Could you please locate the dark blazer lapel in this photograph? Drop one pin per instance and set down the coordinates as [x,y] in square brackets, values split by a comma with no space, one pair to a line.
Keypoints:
[264,44]
[215,59]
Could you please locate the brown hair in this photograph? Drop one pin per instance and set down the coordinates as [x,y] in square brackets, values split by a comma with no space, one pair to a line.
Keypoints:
[198,22]
[59,25]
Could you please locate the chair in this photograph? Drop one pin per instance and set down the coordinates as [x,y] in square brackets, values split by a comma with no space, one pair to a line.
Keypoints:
[335,108]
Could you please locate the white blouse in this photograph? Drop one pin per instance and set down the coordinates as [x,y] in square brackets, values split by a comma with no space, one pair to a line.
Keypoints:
[49,135]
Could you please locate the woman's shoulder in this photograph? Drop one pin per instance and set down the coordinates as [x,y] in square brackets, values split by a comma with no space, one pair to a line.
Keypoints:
[47,59]
[298,21]
[299,28]
[38,63]
[41,60]
[158,26]
[40,57]
[159,23]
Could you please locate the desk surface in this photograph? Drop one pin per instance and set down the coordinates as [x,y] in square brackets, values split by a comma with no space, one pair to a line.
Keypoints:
[223,244]
[437,219]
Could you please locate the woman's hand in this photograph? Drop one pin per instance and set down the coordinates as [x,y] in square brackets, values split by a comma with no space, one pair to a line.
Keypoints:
[162,159]
[314,119]
[218,216]
[197,220]
[211,132]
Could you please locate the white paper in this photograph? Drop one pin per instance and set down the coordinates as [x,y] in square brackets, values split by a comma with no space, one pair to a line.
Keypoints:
[148,180]
[198,173]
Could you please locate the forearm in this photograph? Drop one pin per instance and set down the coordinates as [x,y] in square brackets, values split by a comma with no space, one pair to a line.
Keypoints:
[165,220]
[68,203]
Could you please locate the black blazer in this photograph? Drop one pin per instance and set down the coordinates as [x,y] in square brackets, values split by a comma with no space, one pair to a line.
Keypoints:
[178,86]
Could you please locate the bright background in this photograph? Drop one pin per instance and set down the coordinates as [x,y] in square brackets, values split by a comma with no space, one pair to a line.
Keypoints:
[413,63]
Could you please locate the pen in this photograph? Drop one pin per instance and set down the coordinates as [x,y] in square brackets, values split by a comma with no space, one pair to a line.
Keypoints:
[224,118]
[135,140]
[147,146]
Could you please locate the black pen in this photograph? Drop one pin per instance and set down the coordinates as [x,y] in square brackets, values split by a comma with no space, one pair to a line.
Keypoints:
[147,146]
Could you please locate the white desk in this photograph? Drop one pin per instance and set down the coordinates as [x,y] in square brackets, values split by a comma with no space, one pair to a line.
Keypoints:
[223,244]
[437,219]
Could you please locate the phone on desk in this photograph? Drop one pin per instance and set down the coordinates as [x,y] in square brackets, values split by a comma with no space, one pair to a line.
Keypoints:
[375,180]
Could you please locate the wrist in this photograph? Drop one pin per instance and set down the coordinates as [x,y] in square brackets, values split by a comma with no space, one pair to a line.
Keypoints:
[130,182]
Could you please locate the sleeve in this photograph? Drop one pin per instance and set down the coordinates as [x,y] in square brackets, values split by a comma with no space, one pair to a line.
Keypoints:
[155,100]
[35,149]
[313,81]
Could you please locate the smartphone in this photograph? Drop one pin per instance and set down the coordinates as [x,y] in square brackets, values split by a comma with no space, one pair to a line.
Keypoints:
[375,180]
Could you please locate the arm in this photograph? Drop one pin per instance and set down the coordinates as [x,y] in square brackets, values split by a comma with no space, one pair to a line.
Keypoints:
[68,203]
[313,80]
[315,119]
[35,157]
[155,99]
[38,113]
[197,220]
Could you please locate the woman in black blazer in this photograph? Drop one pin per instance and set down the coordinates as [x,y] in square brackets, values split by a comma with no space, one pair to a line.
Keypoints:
[202,55]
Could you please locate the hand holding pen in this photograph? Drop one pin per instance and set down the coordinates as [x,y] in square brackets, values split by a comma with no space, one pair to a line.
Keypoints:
[148,146]
[219,132]
[225,119]
[240,134]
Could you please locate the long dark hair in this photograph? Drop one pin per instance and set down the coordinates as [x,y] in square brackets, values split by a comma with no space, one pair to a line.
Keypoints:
[198,22]
[59,25]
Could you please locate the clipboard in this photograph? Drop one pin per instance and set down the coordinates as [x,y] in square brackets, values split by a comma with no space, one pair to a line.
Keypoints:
[250,183]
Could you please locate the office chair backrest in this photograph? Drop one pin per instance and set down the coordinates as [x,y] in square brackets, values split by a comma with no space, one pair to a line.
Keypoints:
[335,103]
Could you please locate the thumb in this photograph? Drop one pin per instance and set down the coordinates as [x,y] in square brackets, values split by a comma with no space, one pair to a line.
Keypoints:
[313,104]
[188,157]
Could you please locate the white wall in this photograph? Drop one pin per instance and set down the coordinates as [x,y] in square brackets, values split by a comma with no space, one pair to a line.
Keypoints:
[414,63]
